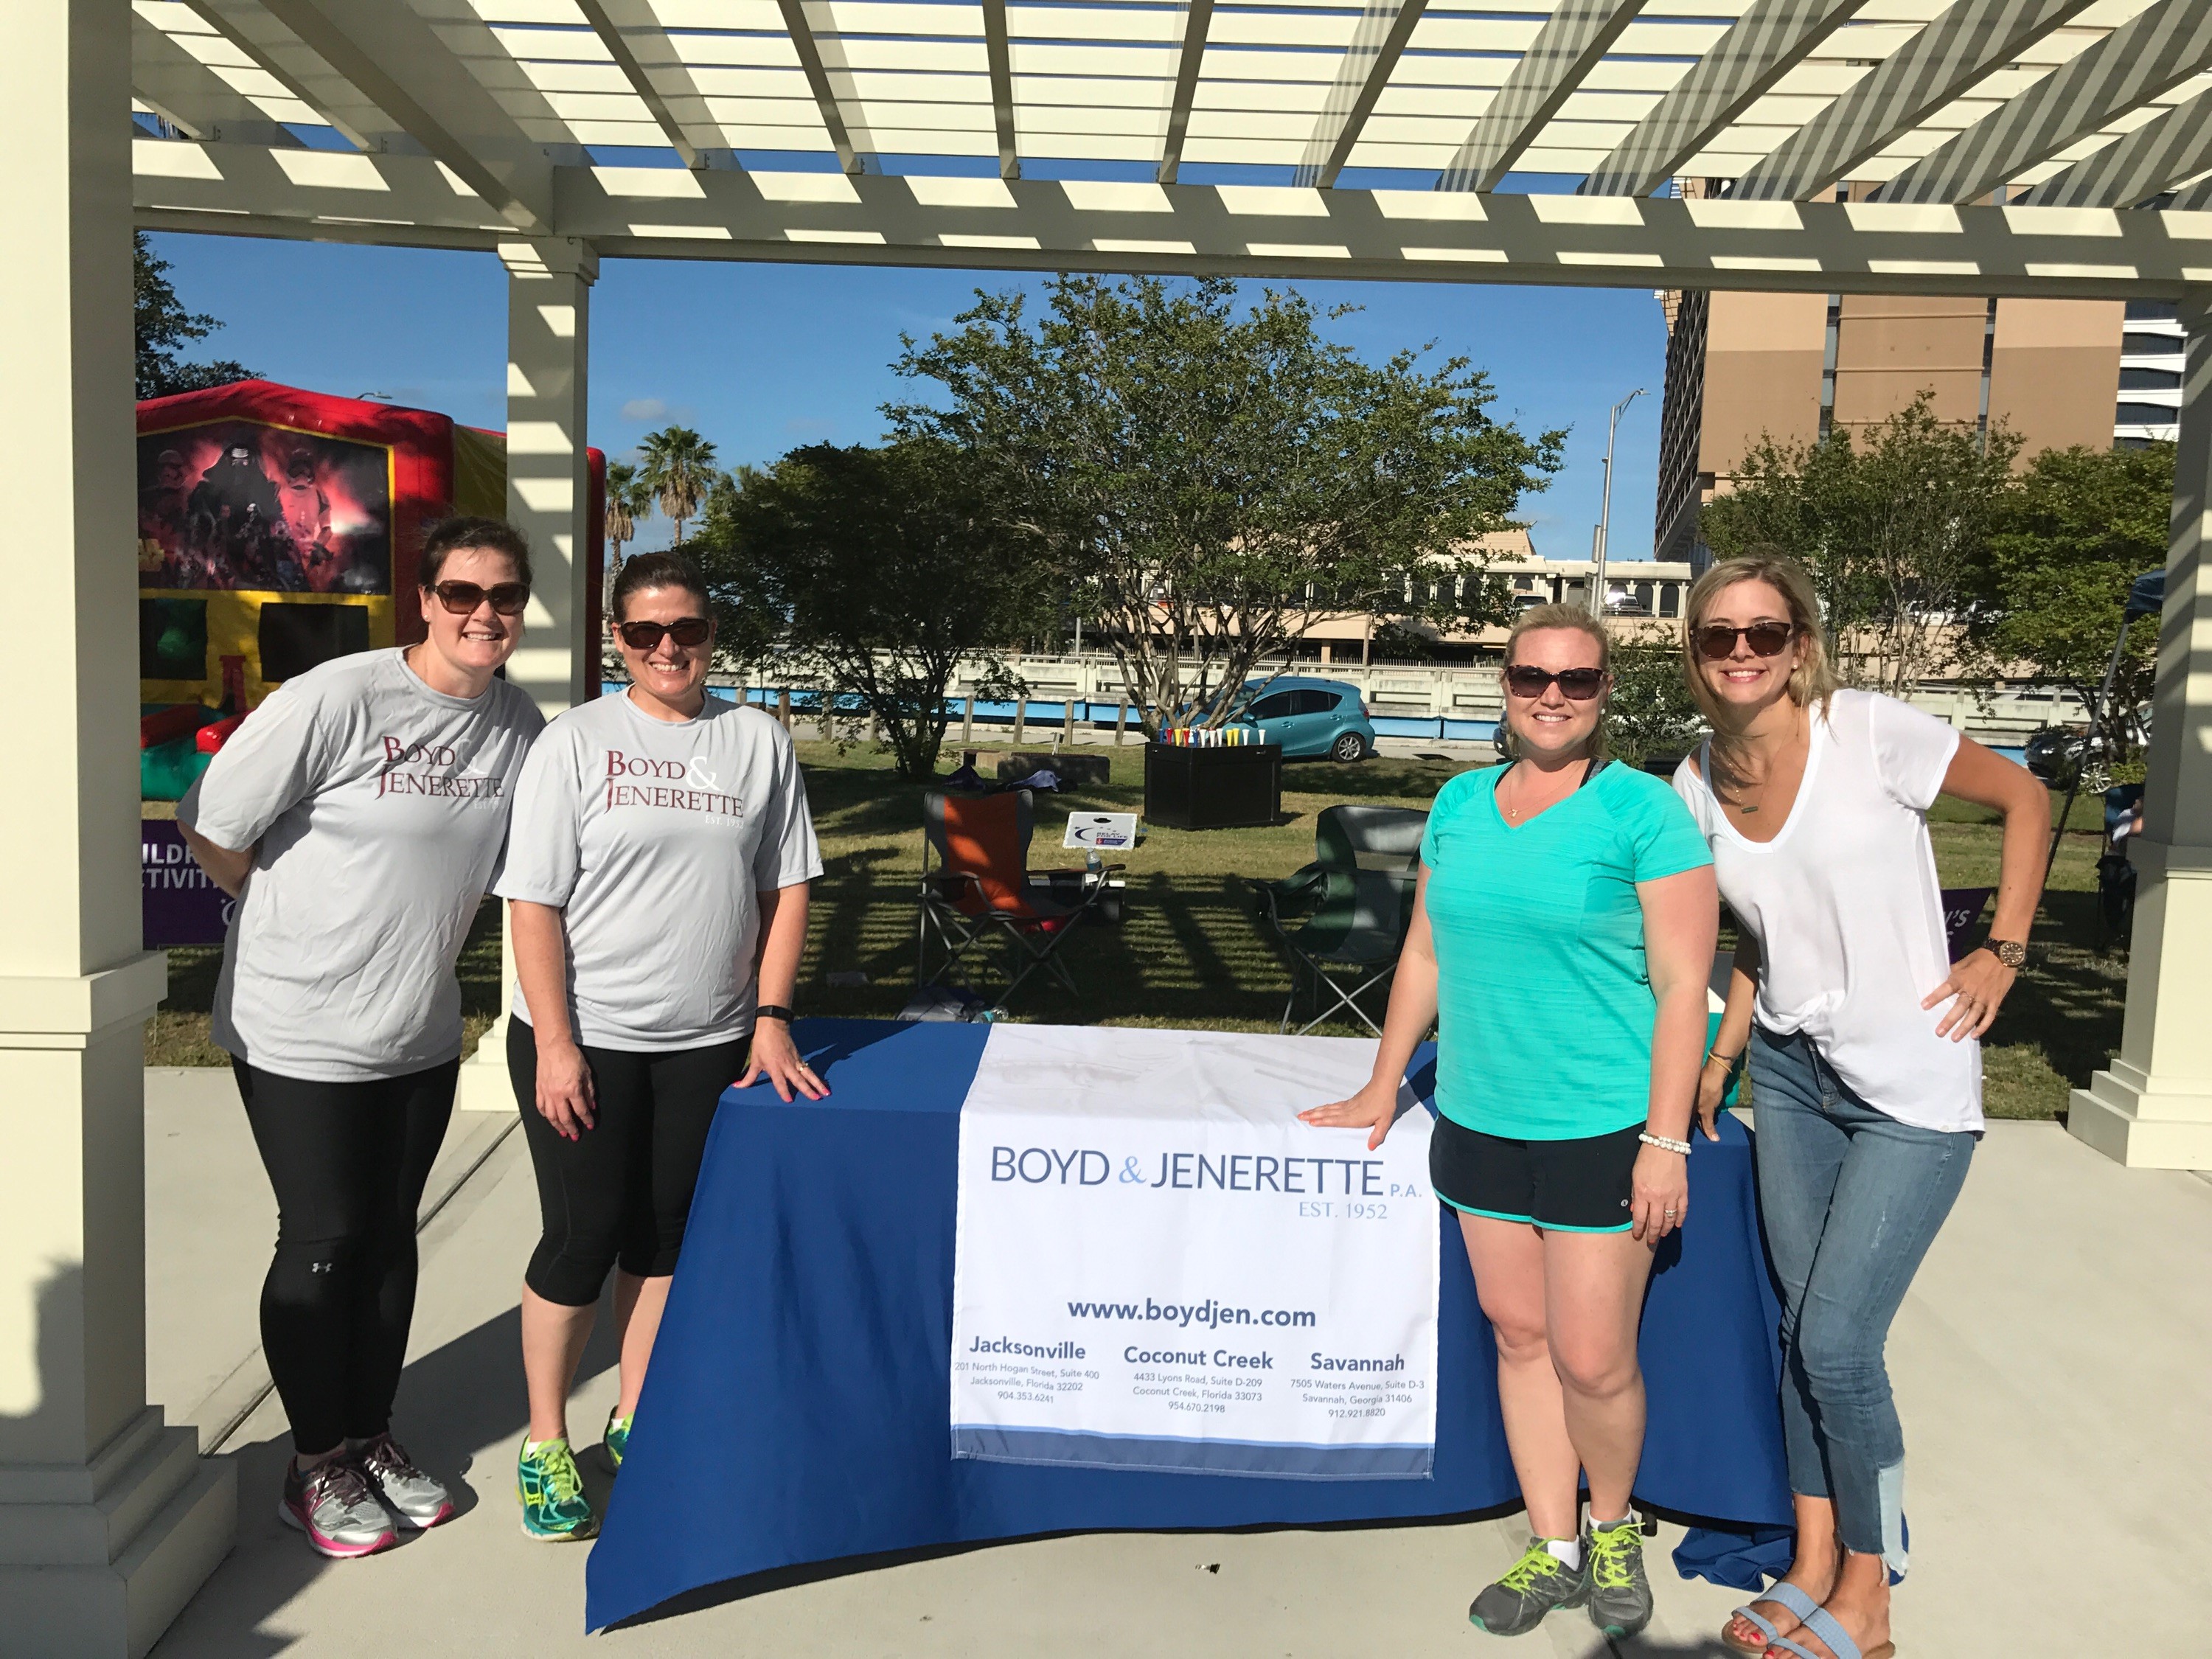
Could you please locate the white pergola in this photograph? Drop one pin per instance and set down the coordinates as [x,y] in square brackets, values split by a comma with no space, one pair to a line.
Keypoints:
[2056,148]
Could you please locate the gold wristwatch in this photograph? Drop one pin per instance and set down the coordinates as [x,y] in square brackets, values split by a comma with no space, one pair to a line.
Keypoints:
[2010,951]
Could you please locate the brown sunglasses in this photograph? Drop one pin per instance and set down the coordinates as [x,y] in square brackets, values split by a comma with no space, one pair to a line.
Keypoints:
[1576,684]
[690,632]
[1716,641]
[508,598]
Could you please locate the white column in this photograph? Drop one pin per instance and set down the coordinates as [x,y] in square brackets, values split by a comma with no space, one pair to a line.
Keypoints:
[2153,1108]
[108,1520]
[549,295]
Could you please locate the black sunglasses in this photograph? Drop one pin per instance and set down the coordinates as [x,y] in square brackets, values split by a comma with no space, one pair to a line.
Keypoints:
[1716,641]
[690,632]
[1576,684]
[508,598]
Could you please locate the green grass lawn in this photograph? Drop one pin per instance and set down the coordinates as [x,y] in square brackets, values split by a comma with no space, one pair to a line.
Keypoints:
[1192,952]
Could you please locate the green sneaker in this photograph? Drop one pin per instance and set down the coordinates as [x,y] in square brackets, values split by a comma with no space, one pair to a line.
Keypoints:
[1531,1587]
[1620,1595]
[616,1440]
[554,1507]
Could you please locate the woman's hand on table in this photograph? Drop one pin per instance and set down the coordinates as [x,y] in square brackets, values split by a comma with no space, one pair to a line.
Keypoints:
[775,1056]
[1374,1109]
[1660,1194]
[564,1087]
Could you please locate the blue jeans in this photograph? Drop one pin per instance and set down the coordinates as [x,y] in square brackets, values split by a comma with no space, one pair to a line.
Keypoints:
[1852,1199]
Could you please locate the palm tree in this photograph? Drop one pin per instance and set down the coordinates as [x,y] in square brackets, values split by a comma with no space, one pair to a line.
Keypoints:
[628,499]
[678,465]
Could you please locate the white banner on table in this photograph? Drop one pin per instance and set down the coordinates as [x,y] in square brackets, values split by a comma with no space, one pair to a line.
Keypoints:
[1158,1267]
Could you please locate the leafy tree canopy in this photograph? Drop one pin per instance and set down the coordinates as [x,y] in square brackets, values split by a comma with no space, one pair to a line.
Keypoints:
[164,328]
[1209,483]
[677,465]
[1650,714]
[2080,527]
[874,572]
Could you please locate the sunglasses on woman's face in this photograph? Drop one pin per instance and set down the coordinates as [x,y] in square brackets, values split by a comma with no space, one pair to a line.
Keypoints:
[690,632]
[1576,684]
[1716,641]
[462,598]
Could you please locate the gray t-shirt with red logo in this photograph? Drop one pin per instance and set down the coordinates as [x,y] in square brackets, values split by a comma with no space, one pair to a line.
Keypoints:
[655,838]
[378,808]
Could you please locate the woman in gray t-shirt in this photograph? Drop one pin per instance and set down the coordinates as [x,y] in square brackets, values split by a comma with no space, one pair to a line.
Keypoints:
[357,816]
[658,873]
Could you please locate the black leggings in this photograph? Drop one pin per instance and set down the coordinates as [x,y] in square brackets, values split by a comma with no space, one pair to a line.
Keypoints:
[348,1162]
[620,1194]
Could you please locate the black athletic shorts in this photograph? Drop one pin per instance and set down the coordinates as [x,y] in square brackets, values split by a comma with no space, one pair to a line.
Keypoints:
[1567,1186]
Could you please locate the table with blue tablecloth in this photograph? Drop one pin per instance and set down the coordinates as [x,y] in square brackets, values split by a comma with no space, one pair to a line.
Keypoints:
[797,1404]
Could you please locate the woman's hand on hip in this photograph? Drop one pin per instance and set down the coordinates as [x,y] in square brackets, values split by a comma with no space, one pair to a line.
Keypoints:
[1659,1193]
[564,1087]
[775,1056]
[1977,986]
[1373,1108]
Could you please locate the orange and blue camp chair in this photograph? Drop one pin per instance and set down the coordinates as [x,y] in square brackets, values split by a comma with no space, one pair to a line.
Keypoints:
[980,890]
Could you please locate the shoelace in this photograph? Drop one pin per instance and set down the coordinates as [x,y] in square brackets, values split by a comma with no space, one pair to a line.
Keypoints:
[386,1458]
[1539,1563]
[557,1469]
[1611,1553]
[337,1480]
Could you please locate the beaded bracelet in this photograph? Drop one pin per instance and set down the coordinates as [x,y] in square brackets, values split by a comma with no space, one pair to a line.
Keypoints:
[1663,1144]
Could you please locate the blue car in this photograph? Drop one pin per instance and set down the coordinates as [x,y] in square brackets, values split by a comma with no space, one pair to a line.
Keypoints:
[1309,718]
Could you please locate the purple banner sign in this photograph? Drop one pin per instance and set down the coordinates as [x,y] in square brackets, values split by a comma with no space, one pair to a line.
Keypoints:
[179,904]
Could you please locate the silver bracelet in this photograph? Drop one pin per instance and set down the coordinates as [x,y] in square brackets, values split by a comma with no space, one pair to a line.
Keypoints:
[1663,1144]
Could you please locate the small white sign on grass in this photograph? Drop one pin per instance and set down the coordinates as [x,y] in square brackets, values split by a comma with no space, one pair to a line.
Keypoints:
[1107,831]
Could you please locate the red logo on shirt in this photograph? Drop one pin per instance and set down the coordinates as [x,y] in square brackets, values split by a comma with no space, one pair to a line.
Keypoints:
[664,794]
[421,777]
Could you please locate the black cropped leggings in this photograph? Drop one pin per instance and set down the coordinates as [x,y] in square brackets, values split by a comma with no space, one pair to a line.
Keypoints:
[620,1194]
[348,1162]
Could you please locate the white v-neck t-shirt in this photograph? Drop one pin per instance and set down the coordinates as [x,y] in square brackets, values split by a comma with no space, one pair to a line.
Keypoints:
[1848,912]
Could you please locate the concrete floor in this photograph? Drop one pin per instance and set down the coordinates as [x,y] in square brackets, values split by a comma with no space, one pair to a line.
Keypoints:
[2049,1364]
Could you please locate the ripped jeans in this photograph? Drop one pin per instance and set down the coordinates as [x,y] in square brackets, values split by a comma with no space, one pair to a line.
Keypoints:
[1851,1200]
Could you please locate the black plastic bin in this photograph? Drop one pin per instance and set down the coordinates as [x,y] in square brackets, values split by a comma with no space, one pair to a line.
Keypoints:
[1238,787]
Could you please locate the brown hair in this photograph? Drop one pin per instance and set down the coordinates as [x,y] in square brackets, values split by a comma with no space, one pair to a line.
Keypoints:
[1576,619]
[492,535]
[648,571]
[1812,682]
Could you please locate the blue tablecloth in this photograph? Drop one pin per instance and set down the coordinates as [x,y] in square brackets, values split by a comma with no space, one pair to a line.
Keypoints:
[798,1406]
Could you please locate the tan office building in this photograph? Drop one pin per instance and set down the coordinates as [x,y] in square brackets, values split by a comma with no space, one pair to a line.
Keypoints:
[1799,366]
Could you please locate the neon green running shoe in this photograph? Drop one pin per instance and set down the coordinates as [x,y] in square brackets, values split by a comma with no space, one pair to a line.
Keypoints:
[616,1440]
[1620,1595]
[1531,1587]
[554,1507]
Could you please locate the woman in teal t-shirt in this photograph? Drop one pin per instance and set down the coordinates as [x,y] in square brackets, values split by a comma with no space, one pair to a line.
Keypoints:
[1562,935]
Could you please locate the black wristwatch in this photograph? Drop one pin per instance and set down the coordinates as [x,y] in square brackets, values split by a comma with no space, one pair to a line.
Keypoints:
[773,1011]
[2010,951]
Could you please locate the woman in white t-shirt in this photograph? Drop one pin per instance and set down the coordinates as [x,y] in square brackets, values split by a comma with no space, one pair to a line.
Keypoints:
[657,871]
[1861,1038]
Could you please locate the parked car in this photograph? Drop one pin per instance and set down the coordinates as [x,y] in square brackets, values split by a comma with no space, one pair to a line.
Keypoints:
[2057,753]
[1309,718]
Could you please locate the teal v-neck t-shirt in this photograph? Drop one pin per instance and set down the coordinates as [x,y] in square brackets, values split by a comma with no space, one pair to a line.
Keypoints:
[1544,1003]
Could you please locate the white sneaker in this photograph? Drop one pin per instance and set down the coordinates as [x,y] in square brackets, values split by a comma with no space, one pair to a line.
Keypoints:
[332,1504]
[418,1500]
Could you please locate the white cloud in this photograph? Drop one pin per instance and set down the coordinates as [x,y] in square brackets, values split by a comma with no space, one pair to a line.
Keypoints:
[644,409]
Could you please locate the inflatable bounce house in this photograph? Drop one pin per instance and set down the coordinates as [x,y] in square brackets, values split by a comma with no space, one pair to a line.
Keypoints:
[278,529]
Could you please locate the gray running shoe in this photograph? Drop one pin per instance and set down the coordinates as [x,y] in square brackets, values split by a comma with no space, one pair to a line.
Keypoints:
[417,1500]
[1620,1596]
[332,1505]
[1531,1587]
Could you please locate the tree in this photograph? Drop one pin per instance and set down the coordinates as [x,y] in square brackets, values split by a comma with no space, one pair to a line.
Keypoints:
[1892,527]
[628,500]
[881,568]
[678,468]
[1649,715]
[2048,591]
[1214,484]
[164,328]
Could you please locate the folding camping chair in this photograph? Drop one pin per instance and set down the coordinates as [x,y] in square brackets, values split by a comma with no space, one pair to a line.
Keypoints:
[1350,906]
[980,890]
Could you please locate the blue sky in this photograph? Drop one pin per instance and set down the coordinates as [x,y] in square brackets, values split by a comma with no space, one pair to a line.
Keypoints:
[762,357]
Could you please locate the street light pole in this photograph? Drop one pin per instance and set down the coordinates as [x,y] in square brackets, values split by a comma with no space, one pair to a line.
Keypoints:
[1605,507]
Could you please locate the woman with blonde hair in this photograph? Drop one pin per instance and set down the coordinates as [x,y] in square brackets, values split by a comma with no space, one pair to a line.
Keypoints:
[1860,1033]
[1558,894]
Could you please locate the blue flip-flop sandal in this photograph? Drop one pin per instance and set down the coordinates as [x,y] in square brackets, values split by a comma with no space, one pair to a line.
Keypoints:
[1786,1595]
[1822,1624]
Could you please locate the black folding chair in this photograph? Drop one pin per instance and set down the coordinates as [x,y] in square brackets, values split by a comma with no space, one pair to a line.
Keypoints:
[1347,912]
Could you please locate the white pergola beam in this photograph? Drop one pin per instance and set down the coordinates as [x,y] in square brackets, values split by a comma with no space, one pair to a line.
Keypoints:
[2147,162]
[1760,47]
[1377,45]
[2152,53]
[1955,51]
[396,59]
[1193,229]
[1197,20]
[999,55]
[630,31]
[850,155]
[285,59]
[1557,62]
[191,97]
